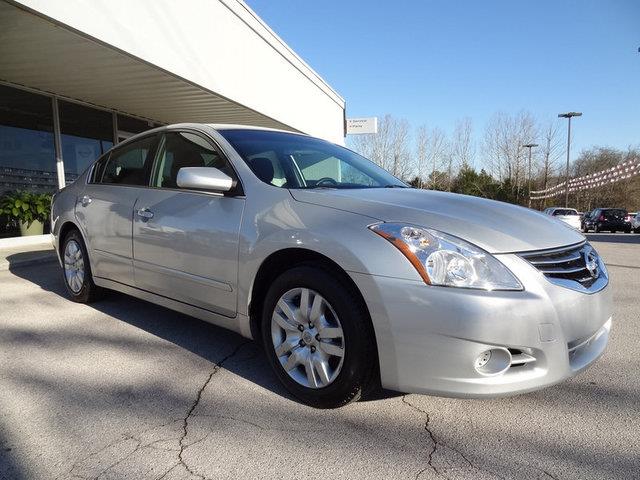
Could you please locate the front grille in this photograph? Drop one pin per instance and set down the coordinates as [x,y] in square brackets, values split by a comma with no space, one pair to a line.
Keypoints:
[577,263]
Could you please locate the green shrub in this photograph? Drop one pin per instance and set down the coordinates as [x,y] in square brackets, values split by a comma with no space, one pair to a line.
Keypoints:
[26,207]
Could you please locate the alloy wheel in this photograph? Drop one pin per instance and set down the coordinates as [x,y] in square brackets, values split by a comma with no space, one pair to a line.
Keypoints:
[307,337]
[74,266]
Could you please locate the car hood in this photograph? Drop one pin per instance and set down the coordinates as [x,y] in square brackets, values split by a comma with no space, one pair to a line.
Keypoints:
[496,227]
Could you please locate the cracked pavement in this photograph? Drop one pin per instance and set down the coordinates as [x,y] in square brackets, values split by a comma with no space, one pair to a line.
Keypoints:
[125,389]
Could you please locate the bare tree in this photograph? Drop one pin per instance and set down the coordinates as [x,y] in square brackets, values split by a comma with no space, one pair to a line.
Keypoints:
[551,150]
[461,149]
[422,158]
[462,146]
[504,137]
[389,148]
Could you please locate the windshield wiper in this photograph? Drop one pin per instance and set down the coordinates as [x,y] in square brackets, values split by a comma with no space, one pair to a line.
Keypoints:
[395,186]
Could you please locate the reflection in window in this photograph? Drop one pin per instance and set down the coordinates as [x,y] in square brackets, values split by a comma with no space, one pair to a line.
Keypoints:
[129,126]
[27,153]
[126,164]
[185,150]
[86,134]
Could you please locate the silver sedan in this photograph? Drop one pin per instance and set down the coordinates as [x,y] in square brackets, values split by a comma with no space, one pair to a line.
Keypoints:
[350,279]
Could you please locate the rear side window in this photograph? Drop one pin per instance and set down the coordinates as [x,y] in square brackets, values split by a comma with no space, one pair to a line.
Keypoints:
[127,165]
[185,149]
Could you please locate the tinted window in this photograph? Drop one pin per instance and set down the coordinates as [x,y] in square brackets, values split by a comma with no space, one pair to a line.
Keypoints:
[297,161]
[615,213]
[27,154]
[86,134]
[126,164]
[98,170]
[184,149]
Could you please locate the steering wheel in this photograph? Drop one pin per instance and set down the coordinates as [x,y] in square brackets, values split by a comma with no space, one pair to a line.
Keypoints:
[329,180]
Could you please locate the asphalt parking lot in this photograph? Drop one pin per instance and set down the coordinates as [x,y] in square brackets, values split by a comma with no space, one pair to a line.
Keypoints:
[125,389]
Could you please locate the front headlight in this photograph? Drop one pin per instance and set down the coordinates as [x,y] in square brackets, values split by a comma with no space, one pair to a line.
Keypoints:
[442,259]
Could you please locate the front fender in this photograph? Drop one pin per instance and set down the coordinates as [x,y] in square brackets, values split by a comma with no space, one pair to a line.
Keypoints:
[341,236]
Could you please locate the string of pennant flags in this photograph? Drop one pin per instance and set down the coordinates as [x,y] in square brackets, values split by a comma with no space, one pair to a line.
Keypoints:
[608,176]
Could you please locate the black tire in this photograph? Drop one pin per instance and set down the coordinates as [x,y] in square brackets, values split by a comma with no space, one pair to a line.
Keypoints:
[89,291]
[597,229]
[627,230]
[358,374]
[613,231]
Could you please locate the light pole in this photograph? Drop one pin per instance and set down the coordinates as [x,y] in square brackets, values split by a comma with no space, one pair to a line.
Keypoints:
[529,146]
[568,115]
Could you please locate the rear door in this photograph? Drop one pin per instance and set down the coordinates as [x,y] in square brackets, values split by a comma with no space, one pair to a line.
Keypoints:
[185,243]
[105,208]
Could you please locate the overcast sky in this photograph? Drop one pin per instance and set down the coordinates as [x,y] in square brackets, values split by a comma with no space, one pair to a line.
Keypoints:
[432,62]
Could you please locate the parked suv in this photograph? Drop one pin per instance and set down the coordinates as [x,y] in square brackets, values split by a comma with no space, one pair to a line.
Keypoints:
[611,219]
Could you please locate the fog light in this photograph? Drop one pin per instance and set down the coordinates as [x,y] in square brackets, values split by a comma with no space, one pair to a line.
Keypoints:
[483,359]
[493,362]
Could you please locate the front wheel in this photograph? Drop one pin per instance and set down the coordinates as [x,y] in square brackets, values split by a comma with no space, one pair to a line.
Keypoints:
[318,337]
[77,271]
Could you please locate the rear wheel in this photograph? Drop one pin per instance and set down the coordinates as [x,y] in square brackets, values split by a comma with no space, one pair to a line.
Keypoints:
[318,337]
[77,270]
[597,229]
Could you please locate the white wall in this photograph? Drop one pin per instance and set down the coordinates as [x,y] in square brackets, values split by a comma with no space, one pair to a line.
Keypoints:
[220,45]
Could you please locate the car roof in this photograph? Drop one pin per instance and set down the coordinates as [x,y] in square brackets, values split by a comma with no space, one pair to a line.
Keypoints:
[201,126]
[232,126]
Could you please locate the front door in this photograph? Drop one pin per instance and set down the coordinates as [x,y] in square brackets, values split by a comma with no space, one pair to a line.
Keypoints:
[185,243]
[105,208]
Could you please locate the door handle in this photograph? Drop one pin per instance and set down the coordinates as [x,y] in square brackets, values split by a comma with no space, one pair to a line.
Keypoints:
[85,200]
[145,213]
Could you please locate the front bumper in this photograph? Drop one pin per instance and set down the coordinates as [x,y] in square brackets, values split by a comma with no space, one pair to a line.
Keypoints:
[429,338]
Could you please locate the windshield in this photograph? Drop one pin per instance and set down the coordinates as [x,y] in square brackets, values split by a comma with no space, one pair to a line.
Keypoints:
[289,160]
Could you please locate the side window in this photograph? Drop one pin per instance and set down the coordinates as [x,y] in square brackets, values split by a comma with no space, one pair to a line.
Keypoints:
[184,149]
[126,165]
[98,169]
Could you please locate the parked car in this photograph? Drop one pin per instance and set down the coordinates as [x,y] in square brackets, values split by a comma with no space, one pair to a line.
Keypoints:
[584,216]
[628,219]
[570,216]
[349,278]
[610,219]
[635,223]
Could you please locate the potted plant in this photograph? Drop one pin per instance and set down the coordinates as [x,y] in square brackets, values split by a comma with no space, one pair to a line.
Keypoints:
[29,210]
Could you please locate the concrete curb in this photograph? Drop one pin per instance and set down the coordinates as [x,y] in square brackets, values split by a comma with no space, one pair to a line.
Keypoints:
[34,258]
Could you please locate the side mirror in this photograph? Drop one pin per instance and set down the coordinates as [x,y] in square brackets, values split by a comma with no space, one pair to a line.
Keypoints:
[204,178]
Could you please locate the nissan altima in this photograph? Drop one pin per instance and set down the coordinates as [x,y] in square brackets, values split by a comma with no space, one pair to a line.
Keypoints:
[349,279]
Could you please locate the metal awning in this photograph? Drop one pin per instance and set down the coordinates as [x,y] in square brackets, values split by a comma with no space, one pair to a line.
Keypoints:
[40,54]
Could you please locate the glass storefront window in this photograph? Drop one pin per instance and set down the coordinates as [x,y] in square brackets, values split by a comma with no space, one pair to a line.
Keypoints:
[129,126]
[27,152]
[86,133]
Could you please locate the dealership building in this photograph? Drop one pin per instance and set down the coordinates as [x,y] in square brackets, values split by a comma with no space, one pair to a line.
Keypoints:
[77,77]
